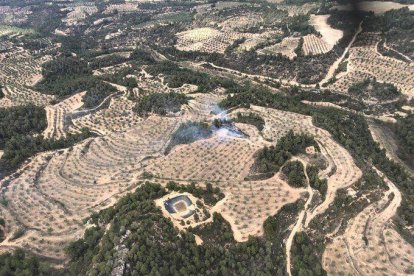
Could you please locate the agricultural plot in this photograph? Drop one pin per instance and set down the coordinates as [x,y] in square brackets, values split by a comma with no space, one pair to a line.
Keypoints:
[117,117]
[329,36]
[18,71]
[365,61]
[286,48]
[225,160]
[6,30]
[122,8]
[341,171]
[207,40]
[57,190]
[314,45]
[79,13]
[370,245]
[58,116]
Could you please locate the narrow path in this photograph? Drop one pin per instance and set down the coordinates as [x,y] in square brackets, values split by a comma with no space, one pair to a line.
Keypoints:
[299,224]
[335,65]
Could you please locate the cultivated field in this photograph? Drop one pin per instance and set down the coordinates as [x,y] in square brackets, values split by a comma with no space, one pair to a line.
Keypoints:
[366,62]
[370,245]
[207,40]
[286,47]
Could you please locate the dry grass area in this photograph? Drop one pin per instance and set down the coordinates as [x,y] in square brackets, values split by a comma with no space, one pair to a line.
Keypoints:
[366,62]
[286,47]
[370,245]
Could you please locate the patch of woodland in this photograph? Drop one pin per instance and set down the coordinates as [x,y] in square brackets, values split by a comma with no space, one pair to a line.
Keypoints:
[269,160]
[21,263]
[294,172]
[160,103]
[21,120]
[251,119]
[404,130]
[370,88]
[21,147]
[397,26]
[65,76]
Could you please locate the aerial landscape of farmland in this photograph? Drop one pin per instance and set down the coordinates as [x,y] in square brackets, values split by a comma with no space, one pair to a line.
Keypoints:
[198,137]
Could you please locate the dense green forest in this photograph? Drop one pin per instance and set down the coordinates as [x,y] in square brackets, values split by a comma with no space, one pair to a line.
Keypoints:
[315,182]
[19,263]
[371,88]
[404,129]
[21,147]
[66,76]
[305,261]
[21,120]
[177,76]
[160,103]
[252,119]
[269,160]
[294,171]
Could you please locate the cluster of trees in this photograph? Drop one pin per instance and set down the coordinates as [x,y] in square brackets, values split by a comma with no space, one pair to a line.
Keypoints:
[160,103]
[315,182]
[269,160]
[21,120]
[156,247]
[66,76]
[19,263]
[298,23]
[177,76]
[397,26]
[371,88]
[294,171]
[252,119]
[22,146]
[105,61]
[189,132]
[210,195]
[404,129]
[304,259]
